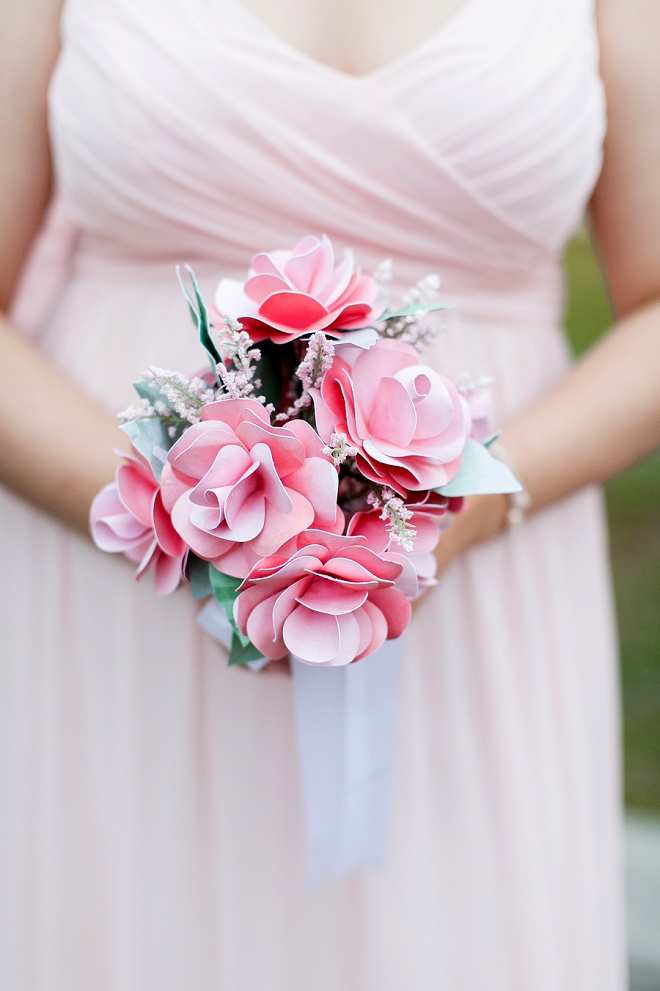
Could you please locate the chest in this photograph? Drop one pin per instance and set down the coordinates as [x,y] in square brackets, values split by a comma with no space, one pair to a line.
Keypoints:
[354,36]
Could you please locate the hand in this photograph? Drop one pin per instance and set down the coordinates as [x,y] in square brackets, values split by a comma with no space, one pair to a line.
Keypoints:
[482,518]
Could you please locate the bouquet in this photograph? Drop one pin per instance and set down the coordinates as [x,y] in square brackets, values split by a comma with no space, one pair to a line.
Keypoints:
[304,477]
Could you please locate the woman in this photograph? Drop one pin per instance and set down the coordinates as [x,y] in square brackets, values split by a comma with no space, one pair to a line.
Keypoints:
[151,833]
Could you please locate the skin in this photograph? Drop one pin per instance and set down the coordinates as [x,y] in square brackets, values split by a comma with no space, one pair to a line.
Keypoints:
[603,416]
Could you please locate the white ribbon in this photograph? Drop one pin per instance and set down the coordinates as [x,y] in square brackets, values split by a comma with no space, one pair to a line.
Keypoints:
[346,720]
[346,723]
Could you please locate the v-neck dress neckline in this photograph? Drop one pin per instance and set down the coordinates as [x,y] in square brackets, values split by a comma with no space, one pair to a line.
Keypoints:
[393,65]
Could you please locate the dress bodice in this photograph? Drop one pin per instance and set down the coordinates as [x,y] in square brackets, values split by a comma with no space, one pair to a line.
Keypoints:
[186,130]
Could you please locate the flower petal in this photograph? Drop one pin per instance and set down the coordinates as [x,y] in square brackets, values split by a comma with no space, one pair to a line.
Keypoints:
[310,268]
[318,481]
[308,437]
[196,450]
[172,486]
[311,636]
[205,545]
[238,561]
[333,597]
[287,601]
[291,309]
[231,412]
[259,287]
[168,539]
[395,608]
[287,453]
[378,626]
[231,465]
[393,414]
[230,298]
[136,492]
[248,521]
[349,640]
[280,527]
[259,628]
[167,572]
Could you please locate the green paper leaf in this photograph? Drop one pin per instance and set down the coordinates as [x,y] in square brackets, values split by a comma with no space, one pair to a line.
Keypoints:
[414,308]
[225,589]
[480,474]
[150,438]
[242,653]
[199,315]
[198,574]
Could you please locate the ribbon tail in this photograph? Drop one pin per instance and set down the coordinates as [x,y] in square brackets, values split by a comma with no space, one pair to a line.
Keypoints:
[346,724]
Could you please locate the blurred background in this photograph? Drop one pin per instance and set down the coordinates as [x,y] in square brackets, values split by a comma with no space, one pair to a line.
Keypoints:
[633,509]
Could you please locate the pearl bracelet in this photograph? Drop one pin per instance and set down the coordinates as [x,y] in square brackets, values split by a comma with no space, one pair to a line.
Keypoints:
[519,502]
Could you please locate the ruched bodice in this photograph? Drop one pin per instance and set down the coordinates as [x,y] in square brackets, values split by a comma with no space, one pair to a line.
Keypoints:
[155,841]
[187,129]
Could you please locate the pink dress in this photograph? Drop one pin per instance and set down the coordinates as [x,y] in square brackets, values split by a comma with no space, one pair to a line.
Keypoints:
[151,834]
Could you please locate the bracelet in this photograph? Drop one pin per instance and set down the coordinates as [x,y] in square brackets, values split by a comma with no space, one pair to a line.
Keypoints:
[519,502]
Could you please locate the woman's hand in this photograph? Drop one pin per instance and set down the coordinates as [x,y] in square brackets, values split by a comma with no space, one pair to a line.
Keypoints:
[482,518]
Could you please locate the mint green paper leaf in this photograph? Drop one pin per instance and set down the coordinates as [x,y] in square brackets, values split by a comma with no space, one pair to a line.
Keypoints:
[199,315]
[225,590]
[198,575]
[480,474]
[414,309]
[150,438]
[242,653]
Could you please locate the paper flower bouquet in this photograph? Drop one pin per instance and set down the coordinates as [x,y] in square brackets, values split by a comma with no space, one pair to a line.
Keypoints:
[303,483]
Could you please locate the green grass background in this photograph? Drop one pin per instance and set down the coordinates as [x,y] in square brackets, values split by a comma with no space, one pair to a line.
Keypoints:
[633,507]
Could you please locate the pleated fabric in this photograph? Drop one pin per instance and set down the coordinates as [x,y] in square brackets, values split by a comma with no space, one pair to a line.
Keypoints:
[151,833]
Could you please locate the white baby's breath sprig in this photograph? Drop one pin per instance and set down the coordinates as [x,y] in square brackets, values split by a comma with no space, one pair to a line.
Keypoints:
[425,290]
[239,382]
[143,411]
[182,398]
[317,361]
[409,328]
[339,449]
[466,385]
[396,514]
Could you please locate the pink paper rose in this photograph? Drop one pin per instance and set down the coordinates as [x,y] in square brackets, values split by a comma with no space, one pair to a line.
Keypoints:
[129,516]
[290,293]
[408,423]
[429,513]
[239,488]
[331,602]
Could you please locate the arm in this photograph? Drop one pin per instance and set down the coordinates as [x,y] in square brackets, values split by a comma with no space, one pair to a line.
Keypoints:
[605,414]
[56,469]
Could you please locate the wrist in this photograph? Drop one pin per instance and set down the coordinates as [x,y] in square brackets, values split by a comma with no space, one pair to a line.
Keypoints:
[519,503]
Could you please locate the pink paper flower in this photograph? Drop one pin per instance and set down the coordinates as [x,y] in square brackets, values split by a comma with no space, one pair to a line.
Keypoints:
[129,516]
[290,293]
[239,488]
[330,602]
[408,423]
[429,513]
